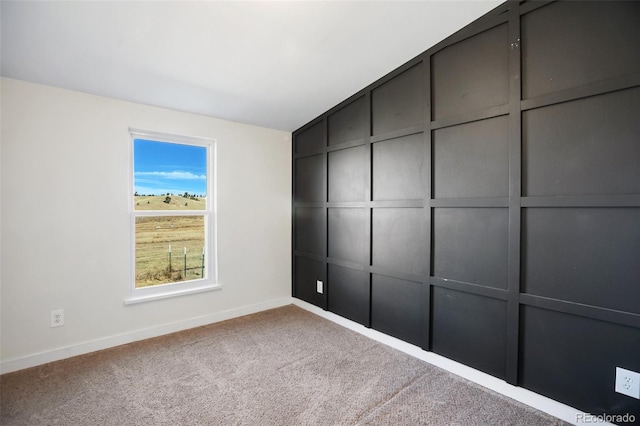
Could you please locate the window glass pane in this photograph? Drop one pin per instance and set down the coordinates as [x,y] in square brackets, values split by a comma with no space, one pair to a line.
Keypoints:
[169,249]
[169,176]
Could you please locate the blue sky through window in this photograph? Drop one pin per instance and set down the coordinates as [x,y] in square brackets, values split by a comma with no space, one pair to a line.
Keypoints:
[162,167]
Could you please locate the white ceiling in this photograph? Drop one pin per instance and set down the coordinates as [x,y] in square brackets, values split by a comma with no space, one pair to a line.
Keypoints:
[267,63]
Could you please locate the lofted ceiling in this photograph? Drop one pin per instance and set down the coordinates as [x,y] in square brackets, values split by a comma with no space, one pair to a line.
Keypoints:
[275,64]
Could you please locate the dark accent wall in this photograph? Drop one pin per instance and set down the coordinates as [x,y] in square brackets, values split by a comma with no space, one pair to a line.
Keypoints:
[482,201]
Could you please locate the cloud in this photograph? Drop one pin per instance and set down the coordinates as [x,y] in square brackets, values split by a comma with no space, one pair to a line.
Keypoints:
[172,175]
[162,190]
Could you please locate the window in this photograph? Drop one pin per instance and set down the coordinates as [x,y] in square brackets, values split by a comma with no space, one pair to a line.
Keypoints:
[172,215]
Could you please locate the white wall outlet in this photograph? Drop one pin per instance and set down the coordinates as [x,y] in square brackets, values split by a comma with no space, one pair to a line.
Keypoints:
[319,287]
[57,318]
[628,382]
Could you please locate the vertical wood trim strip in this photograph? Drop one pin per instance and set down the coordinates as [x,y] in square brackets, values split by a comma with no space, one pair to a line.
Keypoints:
[515,190]
[325,208]
[427,185]
[368,197]
[293,218]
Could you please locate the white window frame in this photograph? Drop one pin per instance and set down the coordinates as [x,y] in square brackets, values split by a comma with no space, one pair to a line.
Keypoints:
[163,291]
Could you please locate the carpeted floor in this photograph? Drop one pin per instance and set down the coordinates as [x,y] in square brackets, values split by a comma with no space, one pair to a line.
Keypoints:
[285,366]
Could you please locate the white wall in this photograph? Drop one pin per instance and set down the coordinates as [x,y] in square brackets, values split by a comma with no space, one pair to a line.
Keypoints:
[66,225]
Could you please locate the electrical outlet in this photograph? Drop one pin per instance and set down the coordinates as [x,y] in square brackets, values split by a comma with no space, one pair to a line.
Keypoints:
[628,382]
[57,318]
[319,287]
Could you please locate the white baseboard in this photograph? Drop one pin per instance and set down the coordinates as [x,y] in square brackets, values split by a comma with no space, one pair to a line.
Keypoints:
[33,360]
[532,399]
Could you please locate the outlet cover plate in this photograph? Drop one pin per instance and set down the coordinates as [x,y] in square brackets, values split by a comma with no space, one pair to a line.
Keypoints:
[628,382]
[57,318]
[319,287]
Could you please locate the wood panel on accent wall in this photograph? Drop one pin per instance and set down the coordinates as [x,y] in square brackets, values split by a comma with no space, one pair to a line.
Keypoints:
[482,200]
[396,308]
[310,140]
[348,123]
[566,46]
[310,236]
[399,102]
[472,159]
[470,329]
[309,179]
[349,293]
[346,234]
[399,167]
[472,74]
[347,174]
[307,271]
[573,359]
[399,240]
[471,245]
[568,254]
[584,147]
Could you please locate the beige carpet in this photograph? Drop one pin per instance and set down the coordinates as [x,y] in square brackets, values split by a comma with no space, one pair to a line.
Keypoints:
[285,366]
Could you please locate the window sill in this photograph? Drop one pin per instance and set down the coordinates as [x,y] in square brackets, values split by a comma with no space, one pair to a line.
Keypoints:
[169,293]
